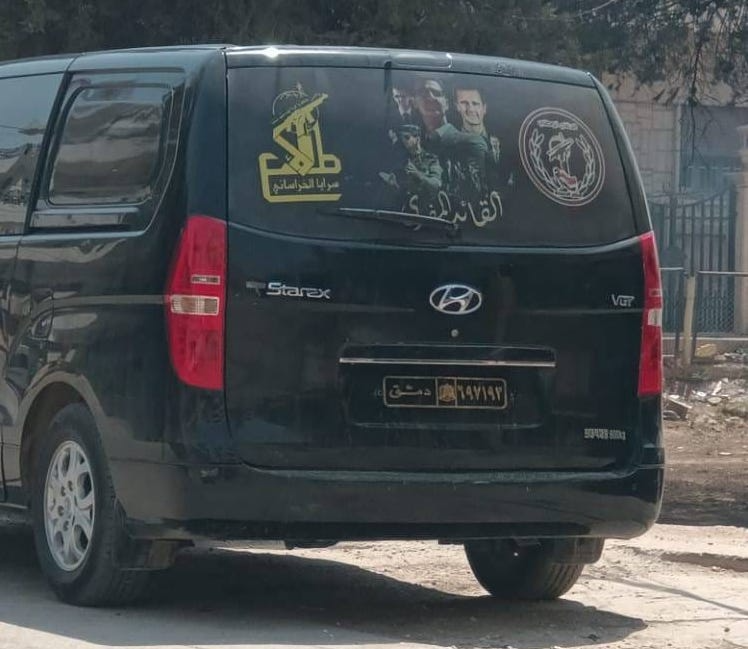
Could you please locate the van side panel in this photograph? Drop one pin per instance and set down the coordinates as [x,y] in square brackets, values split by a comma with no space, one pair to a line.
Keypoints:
[89,279]
[26,103]
[205,150]
[7,260]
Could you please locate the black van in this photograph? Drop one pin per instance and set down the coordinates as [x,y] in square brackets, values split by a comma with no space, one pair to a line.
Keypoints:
[322,294]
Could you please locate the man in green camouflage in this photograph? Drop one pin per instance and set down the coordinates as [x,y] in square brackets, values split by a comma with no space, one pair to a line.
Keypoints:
[422,174]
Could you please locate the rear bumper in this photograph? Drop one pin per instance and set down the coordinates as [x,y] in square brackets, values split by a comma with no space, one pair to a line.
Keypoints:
[238,501]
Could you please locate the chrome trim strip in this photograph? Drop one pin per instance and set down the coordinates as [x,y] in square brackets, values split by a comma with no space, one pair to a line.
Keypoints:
[443,361]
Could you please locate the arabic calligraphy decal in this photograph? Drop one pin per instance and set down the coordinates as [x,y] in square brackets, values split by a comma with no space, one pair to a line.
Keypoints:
[479,213]
[303,172]
[561,156]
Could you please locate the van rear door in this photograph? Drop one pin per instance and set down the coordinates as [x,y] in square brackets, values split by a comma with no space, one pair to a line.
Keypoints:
[431,271]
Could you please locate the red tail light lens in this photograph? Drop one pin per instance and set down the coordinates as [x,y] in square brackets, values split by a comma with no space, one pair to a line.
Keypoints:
[650,360]
[195,303]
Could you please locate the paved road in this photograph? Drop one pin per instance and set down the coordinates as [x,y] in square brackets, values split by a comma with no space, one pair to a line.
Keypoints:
[677,587]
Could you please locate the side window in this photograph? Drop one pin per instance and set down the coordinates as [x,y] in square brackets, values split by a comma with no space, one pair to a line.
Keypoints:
[111,146]
[25,106]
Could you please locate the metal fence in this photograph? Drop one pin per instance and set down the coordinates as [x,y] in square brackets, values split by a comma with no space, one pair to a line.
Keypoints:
[720,288]
[697,235]
[674,302]
[722,294]
[715,301]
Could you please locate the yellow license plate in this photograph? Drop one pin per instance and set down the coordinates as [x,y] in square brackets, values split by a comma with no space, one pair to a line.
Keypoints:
[444,392]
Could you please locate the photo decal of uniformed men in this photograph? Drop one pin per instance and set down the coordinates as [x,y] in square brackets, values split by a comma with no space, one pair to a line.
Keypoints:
[446,162]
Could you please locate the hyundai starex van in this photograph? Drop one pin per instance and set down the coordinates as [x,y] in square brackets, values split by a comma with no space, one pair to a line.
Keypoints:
[311,295]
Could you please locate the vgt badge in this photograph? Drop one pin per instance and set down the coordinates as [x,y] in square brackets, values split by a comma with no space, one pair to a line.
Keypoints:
[455,299]
[561,156]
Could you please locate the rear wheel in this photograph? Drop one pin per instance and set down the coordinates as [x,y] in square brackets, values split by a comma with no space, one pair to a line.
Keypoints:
[509,570]
[78,523]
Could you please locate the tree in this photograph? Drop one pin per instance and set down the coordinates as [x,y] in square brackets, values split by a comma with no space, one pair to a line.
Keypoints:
[689,43]
[692,45]
[509,27]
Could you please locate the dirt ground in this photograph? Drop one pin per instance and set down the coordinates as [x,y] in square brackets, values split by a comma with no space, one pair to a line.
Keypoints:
[683,585]
[707,453]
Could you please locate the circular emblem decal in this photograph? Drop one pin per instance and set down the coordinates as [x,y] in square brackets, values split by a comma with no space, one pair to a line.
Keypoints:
[562,156]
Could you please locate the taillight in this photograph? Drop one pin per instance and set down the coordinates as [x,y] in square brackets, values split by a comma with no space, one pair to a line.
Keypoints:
[650,359]
[195,303]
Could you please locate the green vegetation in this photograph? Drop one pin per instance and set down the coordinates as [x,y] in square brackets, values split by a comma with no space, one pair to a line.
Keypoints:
[688,42]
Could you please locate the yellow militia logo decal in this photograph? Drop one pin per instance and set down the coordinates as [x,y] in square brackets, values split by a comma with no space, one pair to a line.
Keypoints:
[305,172]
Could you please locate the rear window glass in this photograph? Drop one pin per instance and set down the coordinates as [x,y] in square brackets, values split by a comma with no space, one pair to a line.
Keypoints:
[510,161]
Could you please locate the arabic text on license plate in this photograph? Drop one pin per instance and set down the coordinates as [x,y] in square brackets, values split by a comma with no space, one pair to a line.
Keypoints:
[444,392]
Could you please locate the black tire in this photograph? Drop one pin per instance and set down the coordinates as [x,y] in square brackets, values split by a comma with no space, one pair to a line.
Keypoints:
[97,581]
[508,570]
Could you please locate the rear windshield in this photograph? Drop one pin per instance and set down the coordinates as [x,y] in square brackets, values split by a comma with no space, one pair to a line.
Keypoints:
[510,161]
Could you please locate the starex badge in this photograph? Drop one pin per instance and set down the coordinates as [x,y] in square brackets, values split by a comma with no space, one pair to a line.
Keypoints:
[561,156]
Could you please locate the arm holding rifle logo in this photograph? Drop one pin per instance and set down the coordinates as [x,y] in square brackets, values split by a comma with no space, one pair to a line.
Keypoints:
[302,123]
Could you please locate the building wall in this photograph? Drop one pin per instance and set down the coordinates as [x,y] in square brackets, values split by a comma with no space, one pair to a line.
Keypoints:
[669,139]
[653,131]
[652,119]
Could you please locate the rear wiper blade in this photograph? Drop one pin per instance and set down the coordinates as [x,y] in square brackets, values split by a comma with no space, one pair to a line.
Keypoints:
[405,219]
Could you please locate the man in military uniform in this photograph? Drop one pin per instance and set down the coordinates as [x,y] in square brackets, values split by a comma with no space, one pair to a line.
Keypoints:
[462,154]
[422,174]
[472,110]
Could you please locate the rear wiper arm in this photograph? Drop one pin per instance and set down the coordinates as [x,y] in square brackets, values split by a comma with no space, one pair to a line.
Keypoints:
[405,219]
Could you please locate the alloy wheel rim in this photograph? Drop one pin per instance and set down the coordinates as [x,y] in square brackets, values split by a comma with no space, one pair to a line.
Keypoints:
[69,506]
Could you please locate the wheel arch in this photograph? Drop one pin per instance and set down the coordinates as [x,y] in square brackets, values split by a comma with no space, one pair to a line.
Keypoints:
[44,405]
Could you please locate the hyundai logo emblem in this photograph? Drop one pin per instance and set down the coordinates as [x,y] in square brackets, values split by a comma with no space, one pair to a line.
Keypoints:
[455,299]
